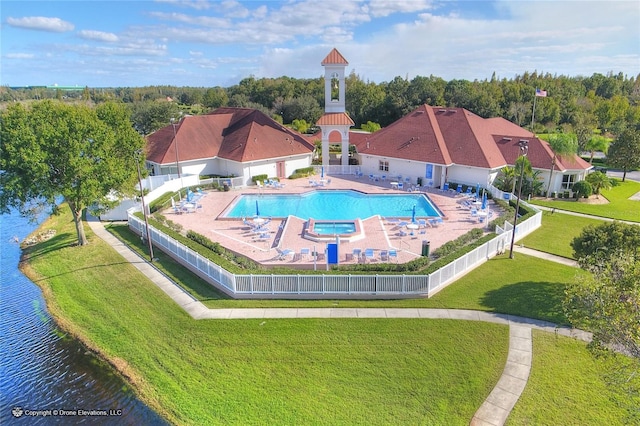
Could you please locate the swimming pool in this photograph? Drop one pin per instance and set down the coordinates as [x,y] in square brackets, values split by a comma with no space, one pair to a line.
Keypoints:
[332,205]
[333,228]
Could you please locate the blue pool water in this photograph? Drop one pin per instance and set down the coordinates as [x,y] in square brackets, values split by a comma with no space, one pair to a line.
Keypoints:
[333,205]
[333,228]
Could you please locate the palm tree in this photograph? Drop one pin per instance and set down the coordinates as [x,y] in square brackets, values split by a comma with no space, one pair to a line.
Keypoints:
[598,181]
[522,162]
[506,180]
[561,144]
[597,143]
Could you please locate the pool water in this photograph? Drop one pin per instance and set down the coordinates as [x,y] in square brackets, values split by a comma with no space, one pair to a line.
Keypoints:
[333,228]
[333,205]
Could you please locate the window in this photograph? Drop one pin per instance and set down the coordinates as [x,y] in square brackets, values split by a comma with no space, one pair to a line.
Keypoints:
[568,181]
[335,87]
[383,166]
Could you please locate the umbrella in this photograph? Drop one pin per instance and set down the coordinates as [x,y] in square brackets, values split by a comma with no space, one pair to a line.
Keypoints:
[257,210]
[477,190]
[322,172]
[484,200]
[189,195]
[413,215]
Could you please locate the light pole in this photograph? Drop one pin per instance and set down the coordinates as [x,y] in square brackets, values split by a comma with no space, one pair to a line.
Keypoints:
[144,207]
[175,141]
[524,150]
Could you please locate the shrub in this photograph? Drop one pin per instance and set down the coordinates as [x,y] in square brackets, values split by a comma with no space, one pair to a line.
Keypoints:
[260,178]
[582,189]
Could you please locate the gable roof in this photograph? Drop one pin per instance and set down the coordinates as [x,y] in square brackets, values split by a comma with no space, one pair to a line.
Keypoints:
[236,134]
[449,136]
[334,58]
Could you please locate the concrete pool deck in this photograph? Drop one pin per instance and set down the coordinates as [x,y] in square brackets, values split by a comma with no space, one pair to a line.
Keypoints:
[380,234]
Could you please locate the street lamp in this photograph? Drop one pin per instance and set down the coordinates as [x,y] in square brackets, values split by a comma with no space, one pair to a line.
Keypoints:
[524,150]
[175,141]
[144,208]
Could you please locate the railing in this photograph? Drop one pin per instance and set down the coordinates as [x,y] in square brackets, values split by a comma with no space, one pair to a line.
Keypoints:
[293,285]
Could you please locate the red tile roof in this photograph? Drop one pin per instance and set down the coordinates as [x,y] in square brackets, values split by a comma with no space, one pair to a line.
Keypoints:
[238,134]
[335,119]
[456,136]
[334,58]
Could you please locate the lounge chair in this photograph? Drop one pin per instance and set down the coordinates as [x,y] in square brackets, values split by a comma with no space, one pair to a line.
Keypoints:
[369,255]
[282,254]
[356,253]
[304,252]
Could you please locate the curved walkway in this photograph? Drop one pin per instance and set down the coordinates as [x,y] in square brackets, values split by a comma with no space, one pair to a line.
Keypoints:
[495,409]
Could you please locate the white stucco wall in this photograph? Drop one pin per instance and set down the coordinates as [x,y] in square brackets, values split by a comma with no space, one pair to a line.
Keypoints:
[468,175]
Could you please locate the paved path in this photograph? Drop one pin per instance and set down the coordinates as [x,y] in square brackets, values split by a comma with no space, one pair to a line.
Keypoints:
[493,412]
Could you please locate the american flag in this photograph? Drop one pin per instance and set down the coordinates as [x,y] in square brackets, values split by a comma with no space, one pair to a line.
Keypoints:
[542,93]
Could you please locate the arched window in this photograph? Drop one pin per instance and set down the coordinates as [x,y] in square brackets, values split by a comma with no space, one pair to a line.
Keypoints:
[335,87]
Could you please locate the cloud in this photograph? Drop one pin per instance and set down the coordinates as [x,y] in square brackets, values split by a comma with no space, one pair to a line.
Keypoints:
[98,36]
[382,8]
[19,56]
[41,23]
[193,4]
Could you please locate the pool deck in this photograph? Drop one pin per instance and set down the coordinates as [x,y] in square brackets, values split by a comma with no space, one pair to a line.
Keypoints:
[380,233]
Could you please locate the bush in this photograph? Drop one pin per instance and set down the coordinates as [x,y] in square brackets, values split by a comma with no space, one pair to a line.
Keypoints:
[302,173]
[582,189]
[260,178]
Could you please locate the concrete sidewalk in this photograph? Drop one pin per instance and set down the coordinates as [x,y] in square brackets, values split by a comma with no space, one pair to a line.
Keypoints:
[493,412]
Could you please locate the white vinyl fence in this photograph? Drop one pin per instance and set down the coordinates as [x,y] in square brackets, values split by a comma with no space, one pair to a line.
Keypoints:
[330,285]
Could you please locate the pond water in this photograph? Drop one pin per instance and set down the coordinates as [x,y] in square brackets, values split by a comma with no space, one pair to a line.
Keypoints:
[43,370]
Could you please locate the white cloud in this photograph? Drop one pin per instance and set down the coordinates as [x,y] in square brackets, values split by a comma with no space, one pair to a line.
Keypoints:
[205,21]
[193,4]
[380,8]
[20,56]
[98,36]
[41,23]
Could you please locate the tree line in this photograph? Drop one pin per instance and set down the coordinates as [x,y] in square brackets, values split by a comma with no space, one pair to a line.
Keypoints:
[580,105]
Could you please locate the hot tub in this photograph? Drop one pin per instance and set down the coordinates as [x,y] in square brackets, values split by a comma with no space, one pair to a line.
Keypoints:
[329,230]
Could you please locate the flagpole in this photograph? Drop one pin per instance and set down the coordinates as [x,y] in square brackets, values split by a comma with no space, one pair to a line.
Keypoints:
[533,116]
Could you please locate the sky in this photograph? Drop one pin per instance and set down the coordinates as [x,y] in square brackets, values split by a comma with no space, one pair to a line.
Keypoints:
[202,43]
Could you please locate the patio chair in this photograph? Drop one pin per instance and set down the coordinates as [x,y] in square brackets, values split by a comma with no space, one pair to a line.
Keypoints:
[394,254]
[259,183]
[400,185]
[356,253]
[282,254]
[445,187]
[384,255]
[304,253]
[369,255]
[459,189]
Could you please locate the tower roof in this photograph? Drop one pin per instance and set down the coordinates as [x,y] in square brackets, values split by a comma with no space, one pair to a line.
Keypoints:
[334,58]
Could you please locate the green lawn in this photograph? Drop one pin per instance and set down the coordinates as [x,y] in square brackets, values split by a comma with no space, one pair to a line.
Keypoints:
[557,232]
[311,371]
[530,293]
[619,207]
[572,393]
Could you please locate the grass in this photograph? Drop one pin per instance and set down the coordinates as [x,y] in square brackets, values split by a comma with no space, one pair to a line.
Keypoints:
[557,232]
[369,371]
[311,371]
[484,288]
[575,392]
[620,207]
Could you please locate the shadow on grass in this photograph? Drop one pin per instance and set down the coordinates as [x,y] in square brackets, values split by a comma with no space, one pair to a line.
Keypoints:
[539,300]
[57,242]
[196,286]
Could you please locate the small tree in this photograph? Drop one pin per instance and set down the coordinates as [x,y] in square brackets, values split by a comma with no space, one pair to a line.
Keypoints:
[582,189]
[624,152]
[599,181]
[597,143]
[606,302]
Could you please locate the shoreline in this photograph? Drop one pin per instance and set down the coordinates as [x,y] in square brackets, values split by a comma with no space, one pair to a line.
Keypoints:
[119,366]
